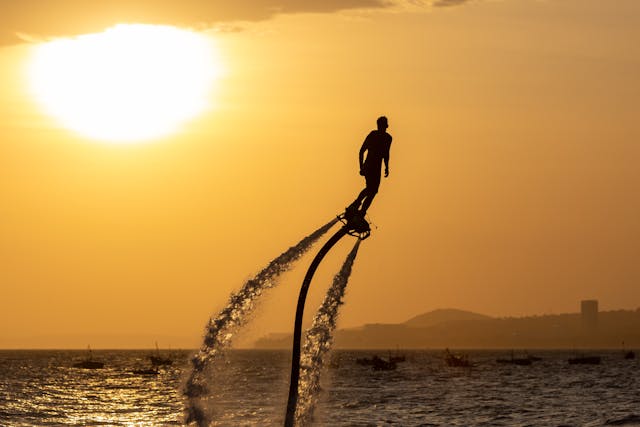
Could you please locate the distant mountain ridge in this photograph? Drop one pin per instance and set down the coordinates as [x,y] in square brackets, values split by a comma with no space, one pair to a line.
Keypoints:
[454,328]
[441,315]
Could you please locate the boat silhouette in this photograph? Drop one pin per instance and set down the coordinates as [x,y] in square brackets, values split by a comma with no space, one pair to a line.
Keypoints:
[378,363]
[455,360]
[521,361]
[584,360]
[158,360]
[628,354]
[148,371]
[89,363]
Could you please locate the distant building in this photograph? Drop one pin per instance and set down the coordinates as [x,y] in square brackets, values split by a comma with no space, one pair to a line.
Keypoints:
[589,311]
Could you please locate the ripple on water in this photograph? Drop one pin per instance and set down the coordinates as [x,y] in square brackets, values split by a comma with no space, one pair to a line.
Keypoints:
[41,388]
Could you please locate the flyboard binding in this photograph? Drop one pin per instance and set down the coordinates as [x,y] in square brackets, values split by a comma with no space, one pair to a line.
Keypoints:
[355,223]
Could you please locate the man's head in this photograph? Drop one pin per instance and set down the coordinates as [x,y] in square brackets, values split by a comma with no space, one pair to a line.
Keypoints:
[383,124]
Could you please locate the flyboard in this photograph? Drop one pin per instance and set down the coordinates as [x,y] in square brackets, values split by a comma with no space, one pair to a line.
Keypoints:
[354,224]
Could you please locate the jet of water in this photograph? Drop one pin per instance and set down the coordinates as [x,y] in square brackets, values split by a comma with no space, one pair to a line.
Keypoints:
[220,329]
[318,341]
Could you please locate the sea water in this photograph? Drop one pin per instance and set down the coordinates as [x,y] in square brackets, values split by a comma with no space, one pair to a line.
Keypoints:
[39,388]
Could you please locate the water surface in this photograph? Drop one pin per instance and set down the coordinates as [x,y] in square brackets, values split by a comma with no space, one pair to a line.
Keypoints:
[250,388]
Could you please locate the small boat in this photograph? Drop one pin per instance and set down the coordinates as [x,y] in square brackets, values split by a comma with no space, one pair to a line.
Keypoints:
[584,360]
[628,354]
[455,360]
[515,361]
[148,371]
[89,363]
[380,364]
[377,363]
[364,361]
[521,361]
[158,360]
[397,357]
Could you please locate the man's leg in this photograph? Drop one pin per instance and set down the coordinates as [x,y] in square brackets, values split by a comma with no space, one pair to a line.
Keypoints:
[373,183]
[355,206]
[356,203]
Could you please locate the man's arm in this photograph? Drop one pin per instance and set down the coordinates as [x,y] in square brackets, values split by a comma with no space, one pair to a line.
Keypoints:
[361,154]
[386,161]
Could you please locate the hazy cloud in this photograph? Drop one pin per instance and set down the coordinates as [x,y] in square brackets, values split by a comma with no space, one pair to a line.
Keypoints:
[51,18]
[29,20]
[445,3]
[430,3]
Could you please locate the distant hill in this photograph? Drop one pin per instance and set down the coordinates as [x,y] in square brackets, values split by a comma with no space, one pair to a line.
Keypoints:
[434,317]
[462,329]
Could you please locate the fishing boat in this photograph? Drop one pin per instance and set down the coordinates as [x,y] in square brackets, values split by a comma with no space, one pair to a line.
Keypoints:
[455,360]
[365,361]
[521,361]
[628,354]
[397,357]
[380,364]
[158,360]
[89,363]
[377,363]
[148,371]
[515,361]
[584,360]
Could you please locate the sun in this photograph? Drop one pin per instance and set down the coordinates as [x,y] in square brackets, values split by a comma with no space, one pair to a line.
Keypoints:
[130,83]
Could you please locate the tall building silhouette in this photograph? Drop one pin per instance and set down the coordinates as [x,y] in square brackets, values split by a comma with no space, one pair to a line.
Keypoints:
[589,311]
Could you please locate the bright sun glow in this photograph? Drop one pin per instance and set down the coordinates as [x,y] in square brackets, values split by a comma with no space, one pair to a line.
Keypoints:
[128,83]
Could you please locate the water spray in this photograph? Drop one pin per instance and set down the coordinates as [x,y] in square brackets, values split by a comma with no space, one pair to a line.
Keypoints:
[354,225]
[220,329]
[318,341]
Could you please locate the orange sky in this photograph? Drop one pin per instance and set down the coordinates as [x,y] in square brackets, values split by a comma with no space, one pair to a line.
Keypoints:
[514,186]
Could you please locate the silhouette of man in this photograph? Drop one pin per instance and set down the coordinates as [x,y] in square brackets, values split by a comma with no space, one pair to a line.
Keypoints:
[376,145]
